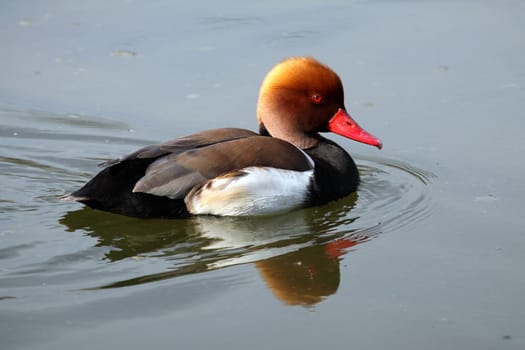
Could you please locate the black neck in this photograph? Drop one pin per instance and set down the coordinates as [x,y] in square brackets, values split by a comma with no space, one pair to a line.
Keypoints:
[263,131]
[336,174]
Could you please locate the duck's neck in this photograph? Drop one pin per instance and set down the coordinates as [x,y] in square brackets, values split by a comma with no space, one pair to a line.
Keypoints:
[300,140]
[263,131]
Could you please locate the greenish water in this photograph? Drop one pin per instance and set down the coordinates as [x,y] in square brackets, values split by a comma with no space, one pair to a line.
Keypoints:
[427,254]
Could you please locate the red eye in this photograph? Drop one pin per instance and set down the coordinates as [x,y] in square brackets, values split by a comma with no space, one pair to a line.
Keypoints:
[316,98]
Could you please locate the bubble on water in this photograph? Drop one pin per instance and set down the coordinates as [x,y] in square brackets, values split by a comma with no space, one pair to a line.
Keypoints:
[192,96]
[24,22]
[123,53]
[488,198]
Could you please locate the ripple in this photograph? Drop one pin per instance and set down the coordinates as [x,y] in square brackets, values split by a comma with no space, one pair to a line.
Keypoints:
[222,22]
[118,251]
[396,190]
[42,119]
[392,196]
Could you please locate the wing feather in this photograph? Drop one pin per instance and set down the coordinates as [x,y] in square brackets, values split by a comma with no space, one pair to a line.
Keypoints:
[175,174]
[184,143]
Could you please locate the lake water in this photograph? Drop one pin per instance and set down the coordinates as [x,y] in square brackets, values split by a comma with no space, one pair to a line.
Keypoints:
[428,254]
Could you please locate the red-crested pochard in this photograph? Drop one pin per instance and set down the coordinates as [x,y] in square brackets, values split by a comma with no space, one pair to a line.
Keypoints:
[236,171]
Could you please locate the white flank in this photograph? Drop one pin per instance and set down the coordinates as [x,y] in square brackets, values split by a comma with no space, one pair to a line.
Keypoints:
[260,191]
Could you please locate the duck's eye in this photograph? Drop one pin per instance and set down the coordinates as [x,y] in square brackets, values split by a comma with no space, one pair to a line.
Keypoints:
[318,99]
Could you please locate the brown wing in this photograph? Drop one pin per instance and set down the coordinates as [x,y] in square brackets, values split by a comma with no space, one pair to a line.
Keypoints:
[175,174]
[181,144]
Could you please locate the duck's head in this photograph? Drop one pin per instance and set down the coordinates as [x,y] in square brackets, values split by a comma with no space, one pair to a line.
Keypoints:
[301,97]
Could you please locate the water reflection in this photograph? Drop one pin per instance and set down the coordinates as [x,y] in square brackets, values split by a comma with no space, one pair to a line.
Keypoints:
[297,253]
[306,276]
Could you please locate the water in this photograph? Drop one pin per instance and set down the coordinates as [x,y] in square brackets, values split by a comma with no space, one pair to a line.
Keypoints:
[427,254]
[392,195]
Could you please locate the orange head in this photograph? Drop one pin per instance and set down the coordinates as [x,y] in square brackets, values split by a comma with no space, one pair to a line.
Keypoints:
[301,97]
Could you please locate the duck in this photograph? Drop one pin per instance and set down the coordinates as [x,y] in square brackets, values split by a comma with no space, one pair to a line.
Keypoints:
[238,172]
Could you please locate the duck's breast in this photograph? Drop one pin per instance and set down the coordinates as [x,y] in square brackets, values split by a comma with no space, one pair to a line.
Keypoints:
[336,173]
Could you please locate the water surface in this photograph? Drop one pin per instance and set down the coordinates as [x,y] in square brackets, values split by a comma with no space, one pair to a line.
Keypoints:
[426,254]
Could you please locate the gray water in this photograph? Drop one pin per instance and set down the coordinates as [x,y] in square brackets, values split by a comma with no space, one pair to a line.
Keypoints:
[428,254]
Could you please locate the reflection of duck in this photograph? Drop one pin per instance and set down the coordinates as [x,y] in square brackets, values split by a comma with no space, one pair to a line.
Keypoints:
[235,172]
[127,237]
[297,253]
[307,276]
